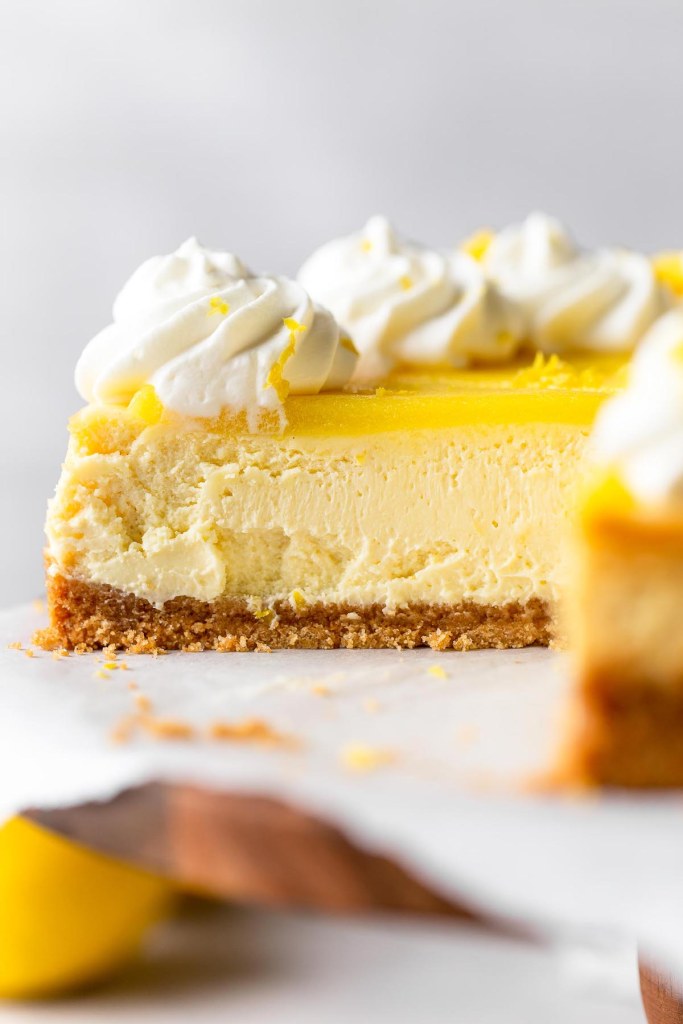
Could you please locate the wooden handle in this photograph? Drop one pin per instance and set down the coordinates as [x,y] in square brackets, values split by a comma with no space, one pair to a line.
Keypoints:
[244,847]
[662,998]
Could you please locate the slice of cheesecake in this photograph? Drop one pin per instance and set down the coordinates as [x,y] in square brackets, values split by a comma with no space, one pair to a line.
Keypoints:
[237,480]
[626,721]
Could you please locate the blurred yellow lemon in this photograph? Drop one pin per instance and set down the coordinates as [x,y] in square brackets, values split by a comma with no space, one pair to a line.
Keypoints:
[67,916]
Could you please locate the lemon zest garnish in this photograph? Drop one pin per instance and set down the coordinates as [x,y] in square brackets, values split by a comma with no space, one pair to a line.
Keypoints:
[275,379]
[218,305]
[264,613]
[348,345]
[477,244]
[297,600]
[668,269]
[406,282]
[145,405]
[547,372]
[438,671]
[358,757]
[293,325]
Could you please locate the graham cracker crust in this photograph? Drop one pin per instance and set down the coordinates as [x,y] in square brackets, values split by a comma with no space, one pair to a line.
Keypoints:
[86,616]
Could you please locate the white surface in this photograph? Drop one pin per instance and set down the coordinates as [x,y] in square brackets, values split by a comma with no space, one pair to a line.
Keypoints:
[449,807]
[259,968]
[269,127]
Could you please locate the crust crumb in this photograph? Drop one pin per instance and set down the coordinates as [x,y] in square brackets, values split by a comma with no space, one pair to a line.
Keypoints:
[439,640]
[251,730]
[371,706]
[466,735]
[357,757]
[167,728]
[142,703]
[123,731]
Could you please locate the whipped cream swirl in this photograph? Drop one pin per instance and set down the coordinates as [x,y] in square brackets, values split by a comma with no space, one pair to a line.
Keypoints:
[604,300]
[402,302]
[639,433]
[209,335]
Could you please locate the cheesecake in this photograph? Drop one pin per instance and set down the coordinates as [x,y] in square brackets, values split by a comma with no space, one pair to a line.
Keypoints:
[626,716]
[382,453]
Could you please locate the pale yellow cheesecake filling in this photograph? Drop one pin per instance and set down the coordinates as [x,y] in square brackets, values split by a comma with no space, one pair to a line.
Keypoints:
[471,513]
[441,489]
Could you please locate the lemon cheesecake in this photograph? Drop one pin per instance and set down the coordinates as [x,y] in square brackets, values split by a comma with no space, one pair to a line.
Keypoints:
[248,473]
[626,721]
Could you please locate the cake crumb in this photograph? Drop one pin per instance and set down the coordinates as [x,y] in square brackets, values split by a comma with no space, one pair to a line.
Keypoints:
[466,735]
[371,706]
[122,732]
[439,640]
[231,644]
[250,730]
[143,703]
[166,728]
[438,671]
[358,757]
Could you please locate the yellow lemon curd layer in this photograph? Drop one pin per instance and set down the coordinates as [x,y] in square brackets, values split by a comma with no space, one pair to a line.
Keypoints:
[440,488]
[545,389]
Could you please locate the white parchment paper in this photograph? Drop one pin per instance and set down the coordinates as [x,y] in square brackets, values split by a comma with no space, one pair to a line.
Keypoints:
[448,805]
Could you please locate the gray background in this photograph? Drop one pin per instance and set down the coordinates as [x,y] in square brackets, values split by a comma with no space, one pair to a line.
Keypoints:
[267,127]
